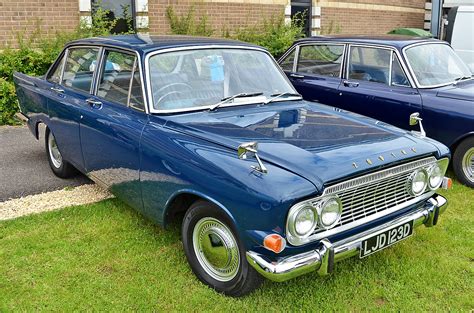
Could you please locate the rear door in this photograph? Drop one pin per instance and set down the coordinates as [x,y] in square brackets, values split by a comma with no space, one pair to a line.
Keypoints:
[71,83]
[113,120]
[316,71]
[375,84]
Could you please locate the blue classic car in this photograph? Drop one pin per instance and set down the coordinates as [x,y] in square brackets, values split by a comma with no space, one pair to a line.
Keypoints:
[210,133]
[389,78]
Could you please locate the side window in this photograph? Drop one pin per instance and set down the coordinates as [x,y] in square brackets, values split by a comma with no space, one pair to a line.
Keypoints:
[321,59]
[114,84]
[287,63]
[369,64]
[120,80]
[79,68]
[398,75]
[54,75]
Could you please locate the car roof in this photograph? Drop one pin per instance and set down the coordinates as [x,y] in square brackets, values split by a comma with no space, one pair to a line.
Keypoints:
[397,41]
[146,43]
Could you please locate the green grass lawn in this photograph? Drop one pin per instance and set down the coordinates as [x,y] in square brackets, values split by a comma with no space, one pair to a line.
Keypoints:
[105,256]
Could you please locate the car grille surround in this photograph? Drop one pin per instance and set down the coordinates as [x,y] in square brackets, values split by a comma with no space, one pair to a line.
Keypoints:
[371,196]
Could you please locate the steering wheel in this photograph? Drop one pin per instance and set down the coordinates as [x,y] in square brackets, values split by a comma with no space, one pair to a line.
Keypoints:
[156,93]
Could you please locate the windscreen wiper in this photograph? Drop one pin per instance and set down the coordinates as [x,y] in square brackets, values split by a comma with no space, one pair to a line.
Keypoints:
[283,94]
[462,78]
[239,95]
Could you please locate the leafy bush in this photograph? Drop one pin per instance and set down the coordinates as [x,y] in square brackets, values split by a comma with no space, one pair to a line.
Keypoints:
[273,33]
[186,24]
[8,103]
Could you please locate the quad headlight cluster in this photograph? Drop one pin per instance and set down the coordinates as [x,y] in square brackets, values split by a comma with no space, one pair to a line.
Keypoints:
[429,178]
[303,218]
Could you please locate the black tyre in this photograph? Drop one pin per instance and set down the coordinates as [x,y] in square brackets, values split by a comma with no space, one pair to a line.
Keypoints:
[463,162]
[215,252]
[60,167]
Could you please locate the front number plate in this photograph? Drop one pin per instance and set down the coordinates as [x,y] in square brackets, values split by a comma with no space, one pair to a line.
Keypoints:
[386,239]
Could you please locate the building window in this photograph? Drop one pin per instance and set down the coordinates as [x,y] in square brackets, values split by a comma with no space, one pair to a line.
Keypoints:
[302,8]
[122,11]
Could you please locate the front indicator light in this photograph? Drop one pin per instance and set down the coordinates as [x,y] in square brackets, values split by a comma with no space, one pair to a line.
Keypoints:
[274,242]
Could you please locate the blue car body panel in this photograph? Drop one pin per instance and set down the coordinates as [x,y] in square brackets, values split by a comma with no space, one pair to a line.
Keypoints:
[150,161]
[447,111]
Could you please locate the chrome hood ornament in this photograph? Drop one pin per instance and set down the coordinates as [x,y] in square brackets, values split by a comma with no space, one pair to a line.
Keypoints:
[416,119]
[250,150]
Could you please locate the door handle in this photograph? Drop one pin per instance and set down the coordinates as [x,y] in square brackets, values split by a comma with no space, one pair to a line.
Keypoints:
[58,90]
[94,103]
[296,75]
[350,84]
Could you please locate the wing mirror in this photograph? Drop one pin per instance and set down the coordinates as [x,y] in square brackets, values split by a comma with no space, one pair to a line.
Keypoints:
[415,119]
[250,150]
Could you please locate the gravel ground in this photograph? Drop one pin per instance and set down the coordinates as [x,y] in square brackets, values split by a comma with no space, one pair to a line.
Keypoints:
[53,200]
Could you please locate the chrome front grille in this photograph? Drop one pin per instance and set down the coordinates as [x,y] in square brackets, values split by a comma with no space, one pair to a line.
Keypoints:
[368,197]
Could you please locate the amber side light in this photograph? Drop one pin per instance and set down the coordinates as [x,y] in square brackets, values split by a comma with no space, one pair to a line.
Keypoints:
[274,242]
[447,183]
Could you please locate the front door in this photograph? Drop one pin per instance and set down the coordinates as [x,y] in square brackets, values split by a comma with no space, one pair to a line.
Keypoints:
[112,124]
[317,72]
[377,86]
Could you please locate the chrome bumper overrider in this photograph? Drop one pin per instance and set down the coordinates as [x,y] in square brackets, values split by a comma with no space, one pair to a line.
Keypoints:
[322,259]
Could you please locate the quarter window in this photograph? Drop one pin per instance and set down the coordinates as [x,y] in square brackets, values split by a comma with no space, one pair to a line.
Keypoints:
[369,64]
[120,79]
[79,68]
[54,75]
[321,59]
[288,61]
[398,75]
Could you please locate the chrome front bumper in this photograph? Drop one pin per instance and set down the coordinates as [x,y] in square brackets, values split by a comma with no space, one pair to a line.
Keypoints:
[322,259]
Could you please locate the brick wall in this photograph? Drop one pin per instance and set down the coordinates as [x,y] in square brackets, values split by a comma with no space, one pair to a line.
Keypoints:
[370,17]
[368,22]
[222,15]
[23,17]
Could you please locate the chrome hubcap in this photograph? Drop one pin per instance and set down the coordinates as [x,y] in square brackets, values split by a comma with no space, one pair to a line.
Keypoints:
[216,249]
[54,153]
[468,164]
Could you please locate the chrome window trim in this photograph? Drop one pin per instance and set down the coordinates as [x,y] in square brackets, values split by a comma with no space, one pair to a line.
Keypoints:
[63,54]
[203,47]
[392,49]
[356,183]
[412,73]
[327,43]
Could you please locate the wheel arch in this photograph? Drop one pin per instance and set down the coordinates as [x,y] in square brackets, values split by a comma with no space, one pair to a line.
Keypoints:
[181,200]
[460,139]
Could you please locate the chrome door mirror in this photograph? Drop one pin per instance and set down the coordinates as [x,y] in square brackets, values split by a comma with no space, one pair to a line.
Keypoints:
[250,150]
[414,120]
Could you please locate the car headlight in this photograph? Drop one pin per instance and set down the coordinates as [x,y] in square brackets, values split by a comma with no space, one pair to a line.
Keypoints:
[302,220]
[330,212]
[436,175]
[417,182]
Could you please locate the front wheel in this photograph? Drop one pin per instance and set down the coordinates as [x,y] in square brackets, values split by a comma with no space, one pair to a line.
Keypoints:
[463,162]
[214,251]
[59,166]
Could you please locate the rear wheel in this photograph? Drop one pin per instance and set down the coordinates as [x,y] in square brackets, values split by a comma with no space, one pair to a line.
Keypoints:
[463,162]
[59,166]
[214,251]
